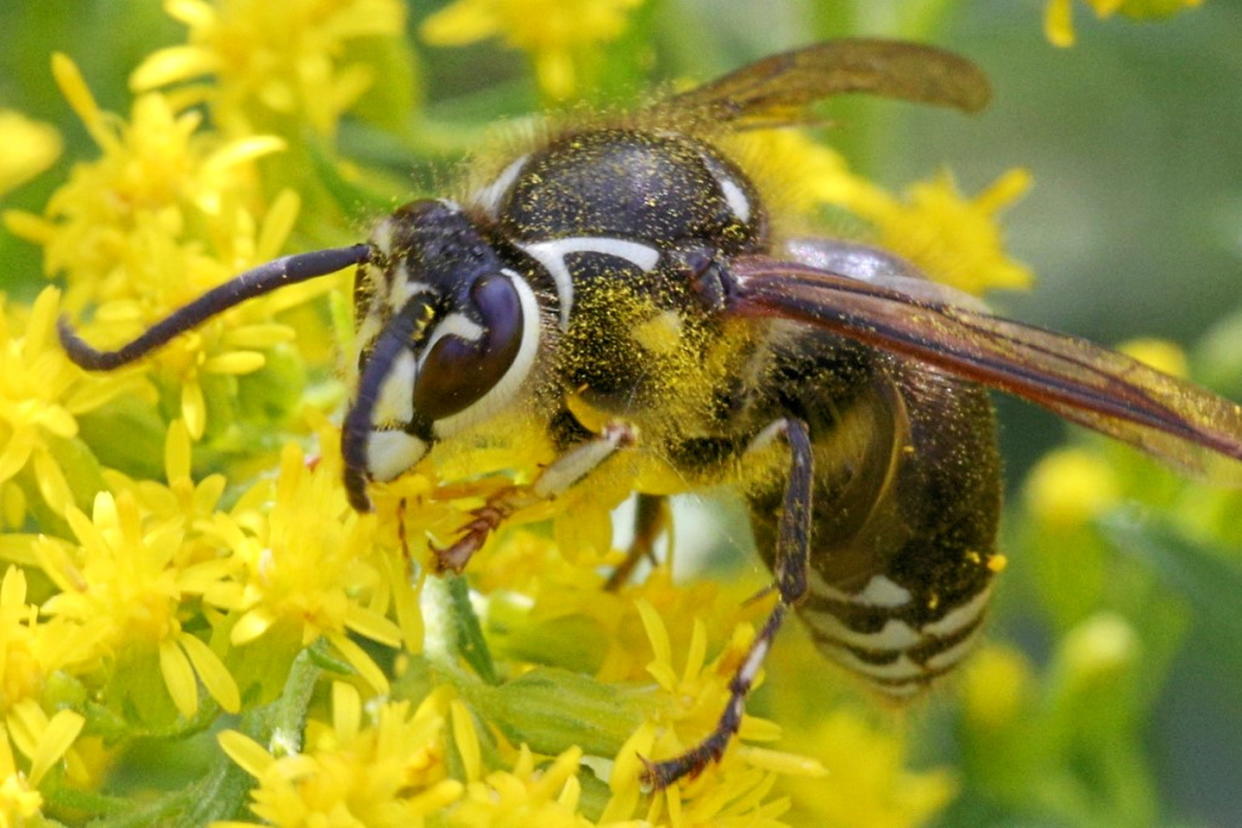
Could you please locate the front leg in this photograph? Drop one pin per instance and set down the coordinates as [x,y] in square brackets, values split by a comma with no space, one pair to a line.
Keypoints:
[792,559]
[555,479]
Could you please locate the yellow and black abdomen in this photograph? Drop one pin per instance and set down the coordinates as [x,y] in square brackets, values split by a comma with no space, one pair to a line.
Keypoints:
[906,504]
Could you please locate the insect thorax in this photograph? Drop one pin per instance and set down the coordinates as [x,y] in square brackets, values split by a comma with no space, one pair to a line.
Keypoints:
[604,217]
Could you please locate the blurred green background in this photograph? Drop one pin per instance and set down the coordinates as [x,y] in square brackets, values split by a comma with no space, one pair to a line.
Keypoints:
[1134,226]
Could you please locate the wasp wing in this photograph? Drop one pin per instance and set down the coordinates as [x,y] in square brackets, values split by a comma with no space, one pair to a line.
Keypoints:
[778,88]
[1173,420]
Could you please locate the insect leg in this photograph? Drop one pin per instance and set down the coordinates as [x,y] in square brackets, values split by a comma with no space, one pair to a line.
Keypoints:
[650,519]
[793,550]
[555,479]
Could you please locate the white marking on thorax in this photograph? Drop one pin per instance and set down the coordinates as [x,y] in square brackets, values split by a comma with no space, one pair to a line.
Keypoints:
[879,592]
[551,254]
[735,197]
[500,393]
[392,452]
[489,197]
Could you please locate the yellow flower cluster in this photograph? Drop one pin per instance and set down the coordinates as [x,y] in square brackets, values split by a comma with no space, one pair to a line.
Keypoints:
[558,34]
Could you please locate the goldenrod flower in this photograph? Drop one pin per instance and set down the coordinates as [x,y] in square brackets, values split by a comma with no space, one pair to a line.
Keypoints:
[376,766]
[31,651]
[41,395]
[1059,14]
[555,33]
[30,147]
[1070,486]
[127,231]
[290,60]
[123,582]
[45,741]
[305,561]
[954,239]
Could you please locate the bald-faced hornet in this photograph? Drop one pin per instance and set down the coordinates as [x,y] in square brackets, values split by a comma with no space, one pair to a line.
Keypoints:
[618,297]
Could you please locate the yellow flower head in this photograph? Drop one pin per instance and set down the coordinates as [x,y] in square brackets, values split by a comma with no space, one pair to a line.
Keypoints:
[379,767]
[162,216]
[272,62]
[123,581]
[555,33]
[1069,486]
[1059,14]
[955,240]
[41,395]
[305,559]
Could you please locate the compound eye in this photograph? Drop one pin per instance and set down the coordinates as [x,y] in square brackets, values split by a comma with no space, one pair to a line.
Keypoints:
[469,353]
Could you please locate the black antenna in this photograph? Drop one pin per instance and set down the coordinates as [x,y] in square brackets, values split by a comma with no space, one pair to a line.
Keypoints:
[265,278]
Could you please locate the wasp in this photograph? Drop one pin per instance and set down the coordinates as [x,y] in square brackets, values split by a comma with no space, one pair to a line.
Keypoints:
[620,296]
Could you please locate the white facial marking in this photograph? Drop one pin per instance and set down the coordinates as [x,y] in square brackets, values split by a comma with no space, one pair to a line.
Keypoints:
[502,391]
[449,203]
[396,396]
[489,197]
[879,592]
[738,203]
[381,236]
[959,617]
[389,453]
[403,287]
[551,254]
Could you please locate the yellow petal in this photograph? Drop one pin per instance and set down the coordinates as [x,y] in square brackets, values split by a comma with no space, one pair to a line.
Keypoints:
[360,661]
[467,740]
[1059,22]
[258,335]
[250,626]
[278,224]
[235,362]
[346,710]
[172,64]
[177,451]
[240,152]
[179,678]
[211,670]
[15,453]
[459,23]
[778,761]
[30,227]
[246,752]
[193,408]
[52,484]
[372,625]
[56,738]
[78,94]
